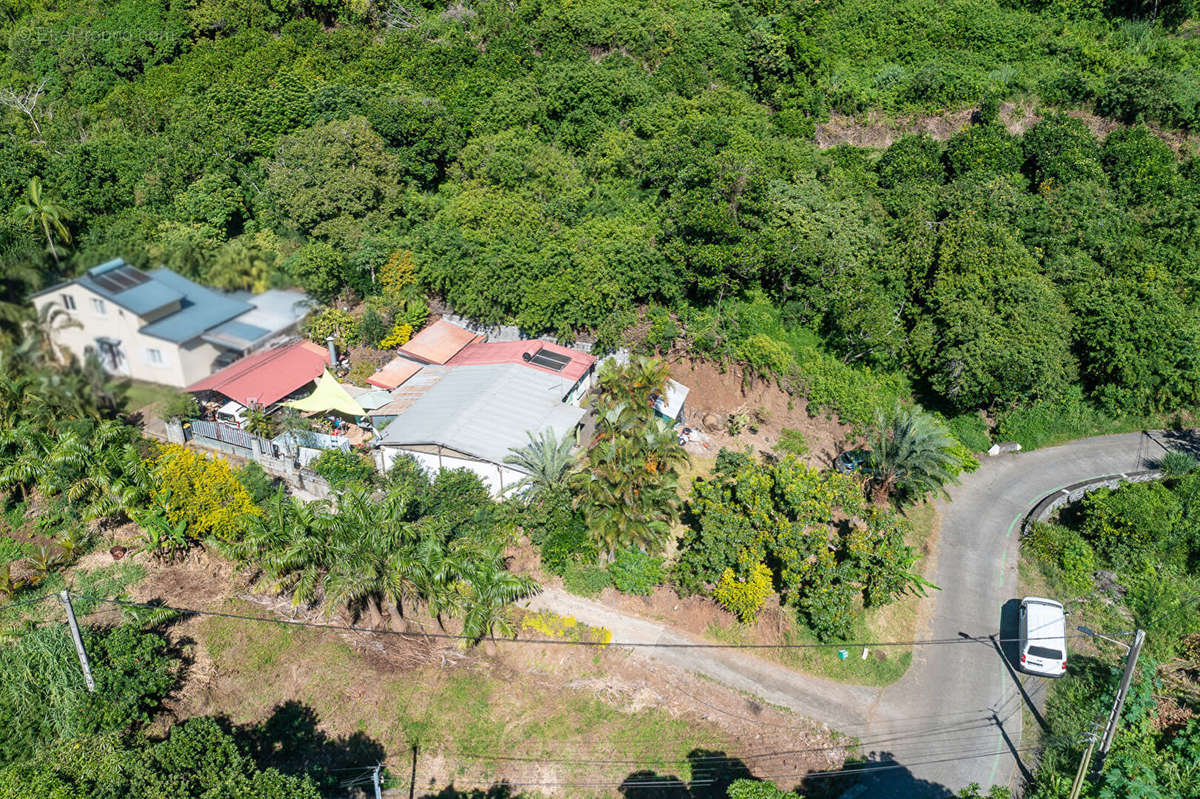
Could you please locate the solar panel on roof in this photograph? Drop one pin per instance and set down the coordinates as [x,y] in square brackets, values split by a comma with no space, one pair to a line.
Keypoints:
[550,360]
[120,279]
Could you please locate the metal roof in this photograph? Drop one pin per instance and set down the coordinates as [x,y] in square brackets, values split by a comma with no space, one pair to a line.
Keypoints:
[532,353]
[439,342]
[201,309]
[394,373]
[403,396]
[236,334]
[484,411]
[128,287]
[670,405]
[274,309]
[268,375]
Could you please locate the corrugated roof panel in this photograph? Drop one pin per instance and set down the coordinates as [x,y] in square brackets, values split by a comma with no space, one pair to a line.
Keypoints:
[439,342]
[484,411]
[201,309]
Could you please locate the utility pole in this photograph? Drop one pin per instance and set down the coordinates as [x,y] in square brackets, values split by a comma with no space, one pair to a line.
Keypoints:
[1114,717]
[65,596]
[1077,785]
[375,780]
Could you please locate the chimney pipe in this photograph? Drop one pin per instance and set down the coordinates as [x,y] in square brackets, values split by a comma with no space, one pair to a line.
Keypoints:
[332,351]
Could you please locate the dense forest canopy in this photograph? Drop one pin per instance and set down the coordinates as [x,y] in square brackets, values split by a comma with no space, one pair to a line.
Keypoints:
[565,165]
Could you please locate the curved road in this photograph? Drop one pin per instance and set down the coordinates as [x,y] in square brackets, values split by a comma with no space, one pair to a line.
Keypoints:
[955,717]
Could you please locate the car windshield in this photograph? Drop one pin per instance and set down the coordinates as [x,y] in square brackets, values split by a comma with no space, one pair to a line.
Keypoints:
[1044,653]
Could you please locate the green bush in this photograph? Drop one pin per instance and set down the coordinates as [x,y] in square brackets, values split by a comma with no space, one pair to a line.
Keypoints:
[1044,424]
[1177,463]
[179,405]
[371,327]
[634,572]
[663,330]
[1128,523]
[569,545]
[791,442]
[343,468]
[1164,604]
[258,484]
[971,431]
[43,699]
[586,580]
[743,598]
[197,758]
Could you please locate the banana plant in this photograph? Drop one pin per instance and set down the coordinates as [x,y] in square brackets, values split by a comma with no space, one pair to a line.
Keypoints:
[162,538]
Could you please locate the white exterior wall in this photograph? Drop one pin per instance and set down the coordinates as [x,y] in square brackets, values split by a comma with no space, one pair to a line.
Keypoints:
[181,365]
[492,474]
[581,388]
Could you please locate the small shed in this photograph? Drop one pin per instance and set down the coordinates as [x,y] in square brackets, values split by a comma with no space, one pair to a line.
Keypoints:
[670,406]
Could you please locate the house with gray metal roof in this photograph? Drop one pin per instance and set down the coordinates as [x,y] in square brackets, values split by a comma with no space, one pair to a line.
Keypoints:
[474,415]
[159,326]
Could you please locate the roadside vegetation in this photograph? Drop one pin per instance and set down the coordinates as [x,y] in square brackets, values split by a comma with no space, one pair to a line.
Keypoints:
[1123,559]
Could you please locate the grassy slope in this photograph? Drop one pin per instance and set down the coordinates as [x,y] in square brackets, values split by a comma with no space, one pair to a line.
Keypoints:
[451,715]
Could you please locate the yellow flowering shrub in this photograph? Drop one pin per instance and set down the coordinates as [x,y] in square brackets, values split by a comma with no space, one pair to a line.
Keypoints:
[398,273]
[203,492]
[400,334]
[744,598]
[548,624]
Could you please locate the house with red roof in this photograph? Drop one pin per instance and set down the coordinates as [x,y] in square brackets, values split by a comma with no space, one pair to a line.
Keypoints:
[267,376]
[574,369]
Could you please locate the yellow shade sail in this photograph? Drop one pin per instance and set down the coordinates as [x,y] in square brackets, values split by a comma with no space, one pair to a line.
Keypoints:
[328,396]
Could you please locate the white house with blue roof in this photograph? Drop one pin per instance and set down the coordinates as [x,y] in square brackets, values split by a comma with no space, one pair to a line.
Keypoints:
[161,327]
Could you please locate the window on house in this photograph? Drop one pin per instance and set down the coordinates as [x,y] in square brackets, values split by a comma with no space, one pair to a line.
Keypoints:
[68,302]
[98,306]
[155,356]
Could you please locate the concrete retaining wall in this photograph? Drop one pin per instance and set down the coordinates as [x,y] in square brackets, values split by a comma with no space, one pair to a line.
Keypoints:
[1073,493]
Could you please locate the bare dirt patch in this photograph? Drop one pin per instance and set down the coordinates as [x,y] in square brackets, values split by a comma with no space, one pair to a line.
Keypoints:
[878,130]
[719,391]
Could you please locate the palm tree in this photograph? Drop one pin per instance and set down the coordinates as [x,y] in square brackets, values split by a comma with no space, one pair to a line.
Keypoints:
[911,455]
[629,490]
[259,422]
[488,589]
[546,460]
[38,210]
[633,384]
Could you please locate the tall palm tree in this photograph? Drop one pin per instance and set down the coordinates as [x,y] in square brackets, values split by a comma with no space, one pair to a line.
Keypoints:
[629,490]
[38,210]
[546,460]
[633,383]
[488,589]
[911,455]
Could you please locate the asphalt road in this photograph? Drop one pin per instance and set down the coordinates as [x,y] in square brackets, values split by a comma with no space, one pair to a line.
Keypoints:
[955,717]
[972,688]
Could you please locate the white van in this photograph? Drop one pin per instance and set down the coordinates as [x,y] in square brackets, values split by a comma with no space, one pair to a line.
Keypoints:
[1043,637]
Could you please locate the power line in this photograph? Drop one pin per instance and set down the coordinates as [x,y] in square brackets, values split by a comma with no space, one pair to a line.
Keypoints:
[30,601]
[1182,604]
[669,783]
[962,639]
